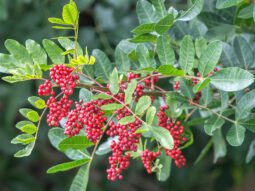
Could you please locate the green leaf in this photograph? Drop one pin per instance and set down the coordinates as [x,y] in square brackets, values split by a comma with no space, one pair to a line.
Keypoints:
[85,95]
[30,114]
[170,70]
[143,104]
[144,28]
[26,151]
[63,28]
[130,91]
[222,4]
[165,51]
[55,20]
[186,88]
[56,135]
[105,147]
[228,57]
[114,82]
[163,136]
[245,105]
[164,24]
[101,96]
[23,139]
[146,12]
[200,45]
[126,120]
[187,54]
[18,51]
[210,57]
[121,59]
[243,52]
[8,62]
[37,102]
[67,166]
[207,95]
[232,79]
[224,99]
[160,7]
[26,127]
[144,38]
[213,123]
[54,52]
[80,181]
[103,66]
[150,115]
[201,85]
[219,145]
[75,142]
[248,124]
[192,12]
[235,135]
[246,12]
[69,45]
[175,96]
[144,57]
[164,173]
[111,107]
[142,129]
[70,13]
[251,152]
[36,52]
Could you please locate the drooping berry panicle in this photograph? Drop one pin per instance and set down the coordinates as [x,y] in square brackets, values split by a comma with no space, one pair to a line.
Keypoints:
[177,131]
[148,157]
[59,107]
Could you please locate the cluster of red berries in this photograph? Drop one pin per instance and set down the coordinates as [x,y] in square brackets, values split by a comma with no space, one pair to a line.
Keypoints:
[177,85]
[151,80]
[45,89]
[89,115]
[118,162]
[148,157]
[58,109]
[131,76]
[127,141]
[62,76]
[177,131]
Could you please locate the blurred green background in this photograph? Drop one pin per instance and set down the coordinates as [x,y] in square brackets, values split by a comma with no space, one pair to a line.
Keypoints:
[103,23]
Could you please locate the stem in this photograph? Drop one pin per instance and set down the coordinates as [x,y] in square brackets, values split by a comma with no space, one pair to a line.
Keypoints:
[93,80]
[190,114]
[39,123]
[219,115]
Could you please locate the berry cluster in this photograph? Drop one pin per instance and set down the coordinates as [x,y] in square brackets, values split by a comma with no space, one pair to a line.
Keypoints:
[88,114]
[45,89]
[177,131]
[132,76]
[118,162]
[58,109]
[151,80]
[148,158]
[127,141]
[62,76]
[177,85]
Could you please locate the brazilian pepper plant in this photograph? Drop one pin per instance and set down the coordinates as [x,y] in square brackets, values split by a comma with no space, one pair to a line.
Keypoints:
[142,103]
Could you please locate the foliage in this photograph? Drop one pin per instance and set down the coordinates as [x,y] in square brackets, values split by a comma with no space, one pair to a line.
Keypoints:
[162,48]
